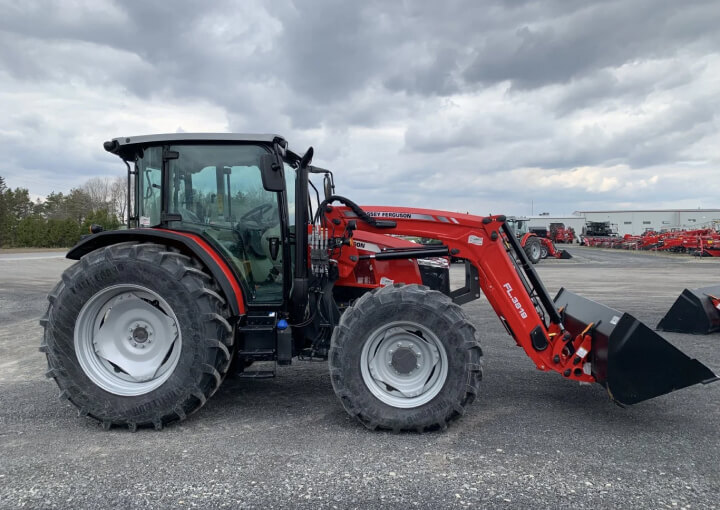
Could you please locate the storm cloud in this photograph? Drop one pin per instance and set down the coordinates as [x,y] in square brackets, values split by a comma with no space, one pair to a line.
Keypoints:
[461,105]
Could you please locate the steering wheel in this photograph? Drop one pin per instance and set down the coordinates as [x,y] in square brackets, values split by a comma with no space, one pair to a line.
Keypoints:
[188,214]
[256,213]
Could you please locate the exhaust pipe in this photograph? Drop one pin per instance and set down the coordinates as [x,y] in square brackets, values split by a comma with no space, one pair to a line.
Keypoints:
[628,358]
[695,311]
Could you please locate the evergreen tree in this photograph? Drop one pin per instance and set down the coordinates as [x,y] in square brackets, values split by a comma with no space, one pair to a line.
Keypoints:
[56,222]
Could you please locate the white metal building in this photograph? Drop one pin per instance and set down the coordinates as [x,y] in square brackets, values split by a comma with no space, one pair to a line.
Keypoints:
[637,222]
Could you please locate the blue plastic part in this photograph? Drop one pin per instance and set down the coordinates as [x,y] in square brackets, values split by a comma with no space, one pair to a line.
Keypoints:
[282,324]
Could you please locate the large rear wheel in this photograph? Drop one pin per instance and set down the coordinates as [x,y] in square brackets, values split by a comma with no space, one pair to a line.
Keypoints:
[137,335]
[405,358]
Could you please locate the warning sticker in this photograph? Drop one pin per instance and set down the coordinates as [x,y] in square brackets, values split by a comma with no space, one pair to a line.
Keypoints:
[475,240]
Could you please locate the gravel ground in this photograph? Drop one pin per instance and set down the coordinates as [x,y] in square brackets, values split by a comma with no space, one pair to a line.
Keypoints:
[531,440]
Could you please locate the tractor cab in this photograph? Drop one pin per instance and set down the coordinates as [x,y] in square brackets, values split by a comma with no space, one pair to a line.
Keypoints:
[212,186]
[519,225]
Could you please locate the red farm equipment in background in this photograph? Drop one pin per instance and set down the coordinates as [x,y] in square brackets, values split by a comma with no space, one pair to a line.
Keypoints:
[600,234]
[535,240]
[561,234]
[709,245]
[701,242]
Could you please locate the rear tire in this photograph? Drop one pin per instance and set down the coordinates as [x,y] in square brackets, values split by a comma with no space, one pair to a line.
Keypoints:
[108,371]
[415,338]
[533,250]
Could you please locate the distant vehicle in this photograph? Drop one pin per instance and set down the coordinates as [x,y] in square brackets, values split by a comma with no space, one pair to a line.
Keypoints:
[535,240]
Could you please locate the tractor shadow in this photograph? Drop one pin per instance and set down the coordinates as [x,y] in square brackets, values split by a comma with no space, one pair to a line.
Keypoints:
[525,401]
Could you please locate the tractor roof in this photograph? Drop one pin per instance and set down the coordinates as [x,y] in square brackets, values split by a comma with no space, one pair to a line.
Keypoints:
[126,146]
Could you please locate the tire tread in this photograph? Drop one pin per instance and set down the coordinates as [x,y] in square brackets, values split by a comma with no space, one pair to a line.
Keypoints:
[383,297]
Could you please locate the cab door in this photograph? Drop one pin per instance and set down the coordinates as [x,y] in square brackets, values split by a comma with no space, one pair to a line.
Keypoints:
[217,190]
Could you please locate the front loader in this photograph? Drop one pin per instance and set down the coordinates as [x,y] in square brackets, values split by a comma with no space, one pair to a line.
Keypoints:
[232,256]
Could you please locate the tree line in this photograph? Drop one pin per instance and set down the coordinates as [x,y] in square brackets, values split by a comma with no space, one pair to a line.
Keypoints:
[60,219]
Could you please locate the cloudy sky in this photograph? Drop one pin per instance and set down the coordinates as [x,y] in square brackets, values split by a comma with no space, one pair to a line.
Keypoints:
[506,106]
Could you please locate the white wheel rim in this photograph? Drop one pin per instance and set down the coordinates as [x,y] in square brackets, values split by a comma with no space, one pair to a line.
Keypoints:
[127,340]
[404,364]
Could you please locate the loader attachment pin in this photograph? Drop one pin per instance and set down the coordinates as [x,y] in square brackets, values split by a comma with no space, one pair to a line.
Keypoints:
[568,352]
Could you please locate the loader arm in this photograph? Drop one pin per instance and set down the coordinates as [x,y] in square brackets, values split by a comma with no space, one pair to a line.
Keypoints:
[497,265]
[574,336]
[553,251]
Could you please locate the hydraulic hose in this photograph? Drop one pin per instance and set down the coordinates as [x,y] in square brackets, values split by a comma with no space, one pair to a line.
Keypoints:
[356,209]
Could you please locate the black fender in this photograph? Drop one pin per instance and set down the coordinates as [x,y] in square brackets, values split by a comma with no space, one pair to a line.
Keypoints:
[214,261]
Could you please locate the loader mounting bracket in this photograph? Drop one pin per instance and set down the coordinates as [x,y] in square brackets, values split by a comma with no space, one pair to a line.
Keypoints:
[471,290]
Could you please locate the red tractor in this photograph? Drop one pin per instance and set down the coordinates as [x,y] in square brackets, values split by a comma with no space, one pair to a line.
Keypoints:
[535,241]
[559,233]
[231,256]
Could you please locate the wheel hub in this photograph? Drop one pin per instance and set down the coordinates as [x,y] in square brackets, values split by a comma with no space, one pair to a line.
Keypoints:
[141,333]
[405,359]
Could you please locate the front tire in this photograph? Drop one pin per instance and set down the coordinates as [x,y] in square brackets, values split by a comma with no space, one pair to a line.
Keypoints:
[405,358]
[137,335]
[533,250]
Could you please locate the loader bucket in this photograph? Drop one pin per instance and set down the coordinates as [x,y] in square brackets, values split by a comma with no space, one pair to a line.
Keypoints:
[565,255]
[693,312]
[632,361]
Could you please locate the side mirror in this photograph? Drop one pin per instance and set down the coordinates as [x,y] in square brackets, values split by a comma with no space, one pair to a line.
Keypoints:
[328,183]
[271,172]
[328,186]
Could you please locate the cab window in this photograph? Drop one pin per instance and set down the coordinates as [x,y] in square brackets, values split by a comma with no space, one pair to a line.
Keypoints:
[217,190]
